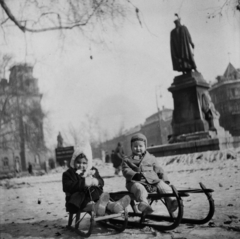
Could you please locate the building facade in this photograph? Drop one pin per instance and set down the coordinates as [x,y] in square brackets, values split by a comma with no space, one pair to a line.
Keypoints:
[157,128]
[21,121]
[225,94]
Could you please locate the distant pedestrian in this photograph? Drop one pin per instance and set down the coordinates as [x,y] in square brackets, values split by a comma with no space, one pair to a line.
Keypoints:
[51,163]
[112,155]
[30,169]
[118,158]
[107,158]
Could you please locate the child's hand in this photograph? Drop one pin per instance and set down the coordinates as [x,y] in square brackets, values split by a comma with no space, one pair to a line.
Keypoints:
[94,182]
[92,172]
[88,181]
[79,171]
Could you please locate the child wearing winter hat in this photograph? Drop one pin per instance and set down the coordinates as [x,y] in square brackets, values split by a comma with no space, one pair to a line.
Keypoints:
[83,186]
[144,175]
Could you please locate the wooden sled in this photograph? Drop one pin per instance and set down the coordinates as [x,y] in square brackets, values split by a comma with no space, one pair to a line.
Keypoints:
[92,219]
[157,221]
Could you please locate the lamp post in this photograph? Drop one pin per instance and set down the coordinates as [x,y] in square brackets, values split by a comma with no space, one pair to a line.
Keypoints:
[159,112]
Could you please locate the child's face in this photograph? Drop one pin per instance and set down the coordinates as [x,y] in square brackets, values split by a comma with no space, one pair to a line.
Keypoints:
[138,147]
[80,163]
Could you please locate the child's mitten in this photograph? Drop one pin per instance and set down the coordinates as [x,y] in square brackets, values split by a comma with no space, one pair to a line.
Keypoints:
[94,182]
[88,181]
[79,172]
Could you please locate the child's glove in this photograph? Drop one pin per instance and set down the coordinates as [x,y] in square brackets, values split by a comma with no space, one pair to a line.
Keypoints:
[79,172]
[137,177]
[94,182]
[88,173]
[88,181]
[92,172]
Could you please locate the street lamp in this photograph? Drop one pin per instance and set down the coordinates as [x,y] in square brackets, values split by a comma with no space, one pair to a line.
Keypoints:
[157,89]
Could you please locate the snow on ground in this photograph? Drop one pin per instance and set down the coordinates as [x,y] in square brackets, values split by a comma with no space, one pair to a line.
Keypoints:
[33,207]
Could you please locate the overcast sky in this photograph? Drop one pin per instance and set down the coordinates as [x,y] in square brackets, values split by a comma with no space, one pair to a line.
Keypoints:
[119,84]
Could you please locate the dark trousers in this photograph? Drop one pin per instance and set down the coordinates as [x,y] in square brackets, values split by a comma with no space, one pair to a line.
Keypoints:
[79,200]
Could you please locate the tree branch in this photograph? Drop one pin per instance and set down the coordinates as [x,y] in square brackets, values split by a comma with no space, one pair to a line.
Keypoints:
[10,15]
[4,21]
[60,27]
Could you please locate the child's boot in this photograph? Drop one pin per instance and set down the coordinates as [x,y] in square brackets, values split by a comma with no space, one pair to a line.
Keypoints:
[101,204]
[120,205]
[172,204]
[89,207]
[145,208]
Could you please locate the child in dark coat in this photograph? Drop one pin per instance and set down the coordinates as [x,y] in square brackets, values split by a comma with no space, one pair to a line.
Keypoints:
[144,175]
[83,187]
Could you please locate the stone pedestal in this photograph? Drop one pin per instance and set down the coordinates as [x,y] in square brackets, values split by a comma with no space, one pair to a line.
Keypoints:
[189,121]
[191,131]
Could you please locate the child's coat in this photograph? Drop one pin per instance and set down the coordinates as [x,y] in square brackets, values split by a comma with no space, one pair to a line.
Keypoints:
[73,182]
[77,194]
[149,168]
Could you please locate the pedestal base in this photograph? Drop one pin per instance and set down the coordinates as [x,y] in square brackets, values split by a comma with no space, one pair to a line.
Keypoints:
[220,133]
[187,115]
[192,146]
[190,121]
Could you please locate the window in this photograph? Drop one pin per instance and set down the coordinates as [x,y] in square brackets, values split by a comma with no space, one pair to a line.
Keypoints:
[5,162]
[236,108]
[4,142]
[235,93]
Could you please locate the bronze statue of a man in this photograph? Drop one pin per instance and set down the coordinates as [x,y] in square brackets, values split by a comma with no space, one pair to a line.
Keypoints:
[182,56]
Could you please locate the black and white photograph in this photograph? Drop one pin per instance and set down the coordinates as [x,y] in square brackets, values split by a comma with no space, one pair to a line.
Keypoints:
[120,119]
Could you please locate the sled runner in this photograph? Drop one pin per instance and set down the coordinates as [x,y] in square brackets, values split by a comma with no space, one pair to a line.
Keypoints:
[134,219]
[160,222]
[90,220]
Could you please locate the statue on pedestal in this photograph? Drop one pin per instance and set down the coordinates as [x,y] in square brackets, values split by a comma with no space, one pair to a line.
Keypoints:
[59,140]
[195,118]
[180,42]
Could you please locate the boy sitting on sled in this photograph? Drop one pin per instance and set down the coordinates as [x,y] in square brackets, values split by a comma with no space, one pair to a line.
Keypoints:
[144,175]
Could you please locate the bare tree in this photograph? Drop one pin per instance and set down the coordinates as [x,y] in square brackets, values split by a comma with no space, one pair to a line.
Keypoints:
[16,115]
[89,129]
[6,119]
[39,16]
[5,62]
[224,7]
[21,115]
[121,130]
[50,15]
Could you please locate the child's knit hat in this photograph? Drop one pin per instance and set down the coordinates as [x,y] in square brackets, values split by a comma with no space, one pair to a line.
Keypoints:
[139,137]
[83,149]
